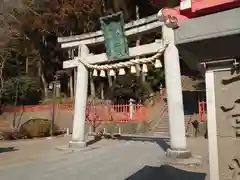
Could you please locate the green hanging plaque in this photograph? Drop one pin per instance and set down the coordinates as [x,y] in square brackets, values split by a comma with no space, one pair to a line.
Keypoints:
[115,40]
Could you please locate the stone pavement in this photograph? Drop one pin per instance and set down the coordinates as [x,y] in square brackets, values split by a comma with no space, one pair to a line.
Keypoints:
[21,151]
[130,159]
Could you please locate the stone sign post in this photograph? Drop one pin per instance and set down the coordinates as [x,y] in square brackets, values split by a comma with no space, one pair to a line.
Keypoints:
[223,112]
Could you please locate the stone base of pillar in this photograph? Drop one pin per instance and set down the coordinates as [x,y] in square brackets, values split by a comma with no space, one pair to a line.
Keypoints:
[177,153]
[77,144]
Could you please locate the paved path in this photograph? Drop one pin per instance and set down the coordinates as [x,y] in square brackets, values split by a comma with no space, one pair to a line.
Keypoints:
[105,160]
[15,152]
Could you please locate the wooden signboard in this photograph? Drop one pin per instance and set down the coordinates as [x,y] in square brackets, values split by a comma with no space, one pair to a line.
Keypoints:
[115,40]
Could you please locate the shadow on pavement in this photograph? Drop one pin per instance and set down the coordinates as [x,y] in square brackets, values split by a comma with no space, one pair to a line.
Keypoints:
[165,172]
[95,140]
[7,149]
[162,142]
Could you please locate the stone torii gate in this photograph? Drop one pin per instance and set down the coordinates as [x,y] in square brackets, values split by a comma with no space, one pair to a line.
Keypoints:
[85,60]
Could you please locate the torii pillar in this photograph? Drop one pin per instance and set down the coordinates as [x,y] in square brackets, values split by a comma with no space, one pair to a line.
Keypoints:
[78,134]
[178,147]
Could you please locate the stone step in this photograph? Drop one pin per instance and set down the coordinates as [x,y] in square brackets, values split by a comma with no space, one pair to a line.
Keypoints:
[163,126]
[162,130]
[161,134]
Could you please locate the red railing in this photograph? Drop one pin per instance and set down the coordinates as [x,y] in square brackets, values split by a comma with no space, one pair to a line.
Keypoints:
[94,112]
[116,113]
[202,111]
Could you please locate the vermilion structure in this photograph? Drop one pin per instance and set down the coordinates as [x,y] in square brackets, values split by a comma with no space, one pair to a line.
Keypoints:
[189,9]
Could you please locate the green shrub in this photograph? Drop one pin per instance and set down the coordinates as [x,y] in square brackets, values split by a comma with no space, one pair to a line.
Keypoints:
[37,128]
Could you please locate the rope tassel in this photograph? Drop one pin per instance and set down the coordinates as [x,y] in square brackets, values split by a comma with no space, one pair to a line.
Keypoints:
[158,64]
[102,73]
[112,72]
[95,73]
[122,71]
[144,68]
[133,70]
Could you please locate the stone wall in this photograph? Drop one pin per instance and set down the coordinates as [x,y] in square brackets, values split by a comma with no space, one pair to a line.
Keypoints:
[62,118]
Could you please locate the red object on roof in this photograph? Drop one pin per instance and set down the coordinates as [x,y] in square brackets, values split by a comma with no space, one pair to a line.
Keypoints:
[195,8]
[203,7]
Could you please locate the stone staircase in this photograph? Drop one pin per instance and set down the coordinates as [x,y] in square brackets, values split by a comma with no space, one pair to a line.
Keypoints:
[163,125]
[160,112]
[156,111]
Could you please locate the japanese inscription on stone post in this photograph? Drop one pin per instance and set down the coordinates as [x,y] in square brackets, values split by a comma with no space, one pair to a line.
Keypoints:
[115,39]
[227,105]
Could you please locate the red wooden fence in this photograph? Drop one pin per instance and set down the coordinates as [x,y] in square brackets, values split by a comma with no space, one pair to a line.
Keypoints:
[116,113]
[97,113]
[94,112]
